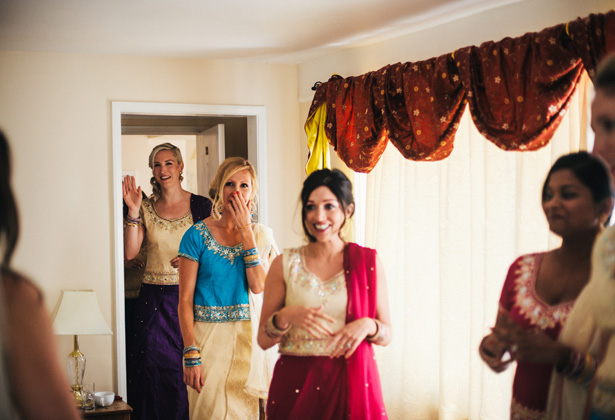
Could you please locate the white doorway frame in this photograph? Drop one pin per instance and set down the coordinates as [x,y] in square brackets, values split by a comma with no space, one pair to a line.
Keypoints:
[257,154]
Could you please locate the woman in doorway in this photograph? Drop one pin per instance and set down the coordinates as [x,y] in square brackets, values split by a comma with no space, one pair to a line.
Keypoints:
[326,304]
[223,259]
[155,385]
[541,288]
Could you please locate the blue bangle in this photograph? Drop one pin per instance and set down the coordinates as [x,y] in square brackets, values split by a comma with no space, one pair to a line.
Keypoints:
[253,263]
[191,348]
[248,252]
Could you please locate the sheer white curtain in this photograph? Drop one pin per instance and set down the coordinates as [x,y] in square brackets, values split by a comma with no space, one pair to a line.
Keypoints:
[447,232]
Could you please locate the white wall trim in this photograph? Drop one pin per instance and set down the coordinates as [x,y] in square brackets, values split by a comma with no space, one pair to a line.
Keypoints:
[257,154]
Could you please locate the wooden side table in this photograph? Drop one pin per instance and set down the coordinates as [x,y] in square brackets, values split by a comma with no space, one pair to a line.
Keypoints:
[119,410]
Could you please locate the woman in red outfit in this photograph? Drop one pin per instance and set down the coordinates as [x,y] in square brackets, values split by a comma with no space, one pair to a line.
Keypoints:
[541,288]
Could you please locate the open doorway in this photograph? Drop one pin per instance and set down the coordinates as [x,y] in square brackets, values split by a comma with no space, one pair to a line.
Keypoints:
[244,135]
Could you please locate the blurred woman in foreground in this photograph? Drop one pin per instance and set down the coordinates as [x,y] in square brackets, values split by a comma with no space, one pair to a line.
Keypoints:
[32,382]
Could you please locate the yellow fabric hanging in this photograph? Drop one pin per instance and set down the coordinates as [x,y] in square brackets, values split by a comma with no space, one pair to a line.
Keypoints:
[318,142]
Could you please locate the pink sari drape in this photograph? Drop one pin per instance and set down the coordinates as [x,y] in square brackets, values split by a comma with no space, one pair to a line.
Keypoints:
[364,391]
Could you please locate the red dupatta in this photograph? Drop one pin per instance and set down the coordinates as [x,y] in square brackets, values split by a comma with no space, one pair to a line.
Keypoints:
[364,391]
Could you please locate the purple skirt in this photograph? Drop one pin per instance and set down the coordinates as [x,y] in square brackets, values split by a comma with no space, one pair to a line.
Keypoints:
[156,388]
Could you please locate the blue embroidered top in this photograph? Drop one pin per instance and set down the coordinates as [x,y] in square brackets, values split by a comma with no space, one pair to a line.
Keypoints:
[221,292]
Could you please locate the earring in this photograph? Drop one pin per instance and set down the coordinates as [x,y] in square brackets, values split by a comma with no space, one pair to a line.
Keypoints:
[181,178]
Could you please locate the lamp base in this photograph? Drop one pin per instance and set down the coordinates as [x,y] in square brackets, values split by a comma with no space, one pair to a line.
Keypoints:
[77,394]
[75,364]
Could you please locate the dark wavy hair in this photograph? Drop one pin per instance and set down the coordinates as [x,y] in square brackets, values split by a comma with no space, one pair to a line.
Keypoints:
[336,181]
[9,221]
[589,169]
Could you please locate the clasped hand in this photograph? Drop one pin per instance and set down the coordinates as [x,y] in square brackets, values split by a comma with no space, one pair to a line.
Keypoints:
[508,337]
[317,323]
[345,341]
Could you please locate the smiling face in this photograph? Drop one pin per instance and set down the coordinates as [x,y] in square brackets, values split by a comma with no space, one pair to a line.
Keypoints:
[166,169]
[569,205]
[324,216]
[240,182]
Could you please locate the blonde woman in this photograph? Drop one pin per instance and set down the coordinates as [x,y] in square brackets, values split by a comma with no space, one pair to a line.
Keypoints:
[223,259]
[155,379]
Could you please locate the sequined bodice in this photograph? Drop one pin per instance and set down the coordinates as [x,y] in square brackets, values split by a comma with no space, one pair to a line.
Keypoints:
[304,288]
[162,238]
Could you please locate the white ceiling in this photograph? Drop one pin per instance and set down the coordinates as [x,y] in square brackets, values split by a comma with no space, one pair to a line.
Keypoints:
[282,31]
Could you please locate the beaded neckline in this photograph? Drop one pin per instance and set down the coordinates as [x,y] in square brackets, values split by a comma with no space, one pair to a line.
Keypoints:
[305,267]
[228,252]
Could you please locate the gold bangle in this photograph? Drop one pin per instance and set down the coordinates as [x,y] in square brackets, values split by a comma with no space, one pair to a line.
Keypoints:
[378,334]
[251,258]
[245,226]
[192,356]
[272,330]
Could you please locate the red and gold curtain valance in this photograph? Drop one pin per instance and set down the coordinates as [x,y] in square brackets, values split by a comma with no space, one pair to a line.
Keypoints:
[517,89]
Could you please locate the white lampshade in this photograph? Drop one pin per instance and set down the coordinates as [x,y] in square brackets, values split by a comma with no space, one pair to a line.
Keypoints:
[79,314]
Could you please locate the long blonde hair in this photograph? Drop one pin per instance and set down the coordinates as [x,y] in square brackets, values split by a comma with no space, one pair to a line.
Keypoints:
[228,168]
[164,146]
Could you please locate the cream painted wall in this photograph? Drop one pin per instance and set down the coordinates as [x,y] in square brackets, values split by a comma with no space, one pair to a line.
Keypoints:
[55,110]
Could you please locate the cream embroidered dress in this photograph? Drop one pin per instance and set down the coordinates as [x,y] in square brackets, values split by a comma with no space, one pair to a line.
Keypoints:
[162,237]
[304,288]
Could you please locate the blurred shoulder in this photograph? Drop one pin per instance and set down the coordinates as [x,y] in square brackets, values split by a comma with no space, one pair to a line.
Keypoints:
[19,289]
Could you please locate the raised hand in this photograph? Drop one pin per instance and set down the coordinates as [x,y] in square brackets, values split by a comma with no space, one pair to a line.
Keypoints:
[239,208]
[132,195]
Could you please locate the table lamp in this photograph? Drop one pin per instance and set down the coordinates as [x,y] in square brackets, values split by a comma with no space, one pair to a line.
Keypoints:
[78,314]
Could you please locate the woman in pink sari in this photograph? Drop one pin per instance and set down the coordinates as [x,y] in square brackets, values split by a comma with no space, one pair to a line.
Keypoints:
[325,304]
